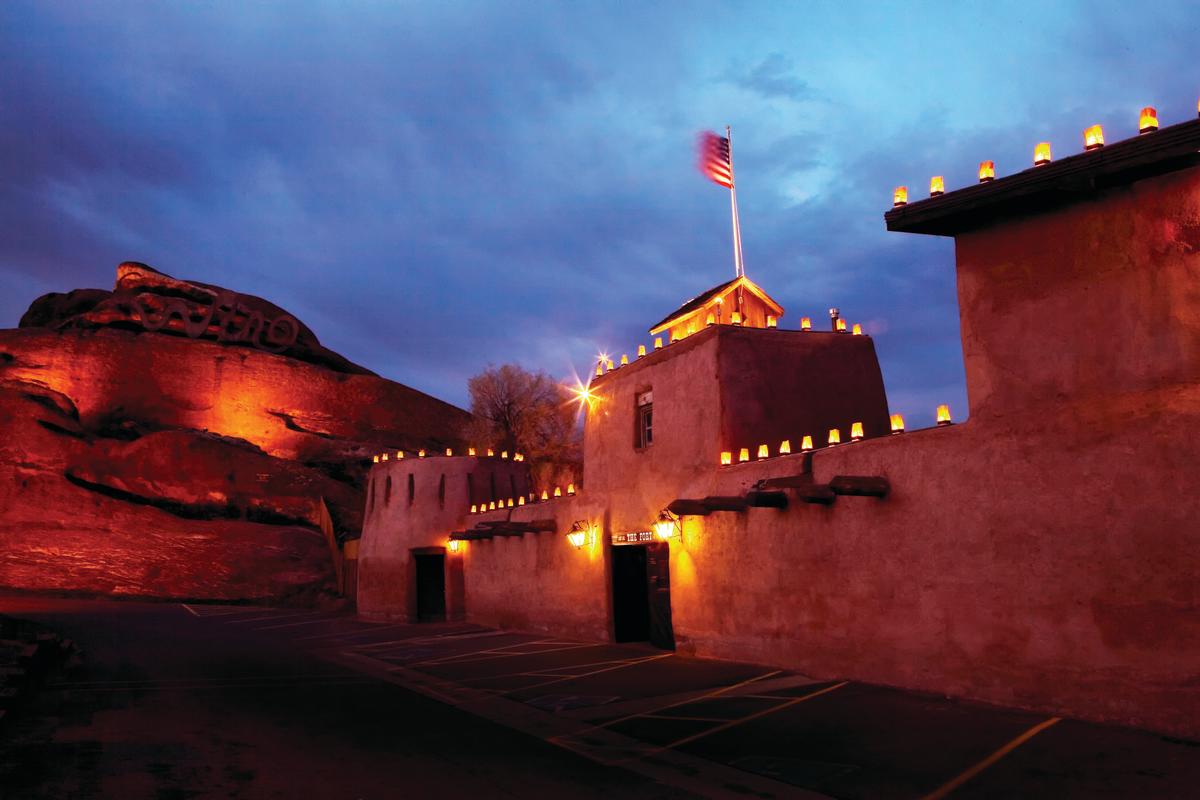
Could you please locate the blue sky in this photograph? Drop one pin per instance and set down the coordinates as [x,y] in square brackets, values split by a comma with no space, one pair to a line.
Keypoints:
[435,187]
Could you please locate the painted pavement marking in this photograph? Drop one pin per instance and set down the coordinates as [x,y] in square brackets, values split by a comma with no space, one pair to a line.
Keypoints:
[269,617]
[588,674]
[958,781]
[294,624]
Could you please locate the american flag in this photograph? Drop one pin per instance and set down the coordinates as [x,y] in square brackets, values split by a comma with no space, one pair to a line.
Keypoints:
[714,159]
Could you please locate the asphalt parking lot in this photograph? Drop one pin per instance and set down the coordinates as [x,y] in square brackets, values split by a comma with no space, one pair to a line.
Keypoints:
[243,701]
[633,707]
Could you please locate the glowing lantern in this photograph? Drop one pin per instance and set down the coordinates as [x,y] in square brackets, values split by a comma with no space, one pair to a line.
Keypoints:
[492,505]
[1093,138]
[657,342]
[504,454]
[806,323]
[943,415]
[545,495]
[743,454]
[384,456]
[785,447]
[1148,120]
[558,491]
[449,451]
[610,364]
[599,370]
[1198,108]
[376,458]
[897,423]
[726,458]
[452,545]
[987,171]
[399,454]
[666,525]
[570,488]
[420,454]
[641,350]
[835,437]
[806,444]
[624,359]
[900,196]
[856,431]
[764,451]
[470,451]
[772,322]
[510,502]
[736,318]
[577,535]
[937,186]
[521,500]
[710,320]
[474,508]
[518,456]
[491,452]
[1041,154]
[857,331]
[841,325]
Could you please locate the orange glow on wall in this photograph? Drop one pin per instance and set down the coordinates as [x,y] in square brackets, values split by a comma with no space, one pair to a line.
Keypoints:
[897,423]
[641,350]
[806,323]
[772,322]
[806,444]
[987,171]
[1041,154]
[857,330]
[856,431]
[785,447]
[841,325]
[744,454]
[764,451]
[1148,120]
[726,458]
[937,186]
[1093,138]
[835,436]
[943,415]
[900,196]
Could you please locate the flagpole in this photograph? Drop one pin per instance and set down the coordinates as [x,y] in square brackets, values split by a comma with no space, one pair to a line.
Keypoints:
[738,266]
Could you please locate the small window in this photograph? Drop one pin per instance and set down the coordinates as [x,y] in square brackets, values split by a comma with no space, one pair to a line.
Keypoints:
[412,489]
[645,420]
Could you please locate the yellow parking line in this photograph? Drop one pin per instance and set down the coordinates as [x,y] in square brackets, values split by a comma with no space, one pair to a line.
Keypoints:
[697,699]
[589,674]
[735,722]
[685,719]
[949,787]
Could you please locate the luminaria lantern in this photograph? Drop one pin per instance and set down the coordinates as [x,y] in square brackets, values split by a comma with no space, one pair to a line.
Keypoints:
[624,359]
[772,322]
[558,491]
[570,489]
[726,458]
[764,451]
[1093,138]
[857,330]
[785,447]
[841,325]
[657,342]
[900,196]
[385,456]
[987,171]
[943,415]
[806,323]
[743,454]
[937,186]
[641,351]
[856,431]
[897,423]
[835,437]
[806,444]
[1041,154]
[470,451]
[1148,120]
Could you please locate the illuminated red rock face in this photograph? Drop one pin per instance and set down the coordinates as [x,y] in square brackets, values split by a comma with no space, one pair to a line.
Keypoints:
[186,463]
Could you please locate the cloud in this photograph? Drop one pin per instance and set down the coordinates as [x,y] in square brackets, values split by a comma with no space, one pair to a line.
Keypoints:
[772,78]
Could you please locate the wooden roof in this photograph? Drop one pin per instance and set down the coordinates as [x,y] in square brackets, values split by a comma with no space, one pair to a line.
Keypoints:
[1062,181]
[698,302]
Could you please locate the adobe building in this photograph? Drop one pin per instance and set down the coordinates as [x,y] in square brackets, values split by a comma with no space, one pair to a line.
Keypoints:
[1044,554]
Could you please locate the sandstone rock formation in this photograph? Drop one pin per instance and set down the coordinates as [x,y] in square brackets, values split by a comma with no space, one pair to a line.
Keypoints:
[176,439]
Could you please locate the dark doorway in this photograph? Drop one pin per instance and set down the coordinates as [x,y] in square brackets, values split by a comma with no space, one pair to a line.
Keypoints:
[642,594]
[431,587]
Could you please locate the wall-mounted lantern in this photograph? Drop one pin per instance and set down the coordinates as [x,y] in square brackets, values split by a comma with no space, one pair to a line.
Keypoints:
[578,534]
[667,525]
[453,545]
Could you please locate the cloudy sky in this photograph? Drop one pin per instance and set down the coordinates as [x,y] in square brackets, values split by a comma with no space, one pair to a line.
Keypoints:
[435,187]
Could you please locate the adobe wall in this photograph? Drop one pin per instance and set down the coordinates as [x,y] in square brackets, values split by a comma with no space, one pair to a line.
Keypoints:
[443,489]
[1096,297]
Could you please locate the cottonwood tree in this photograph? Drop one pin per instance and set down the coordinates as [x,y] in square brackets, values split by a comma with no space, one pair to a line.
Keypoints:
[530,413]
